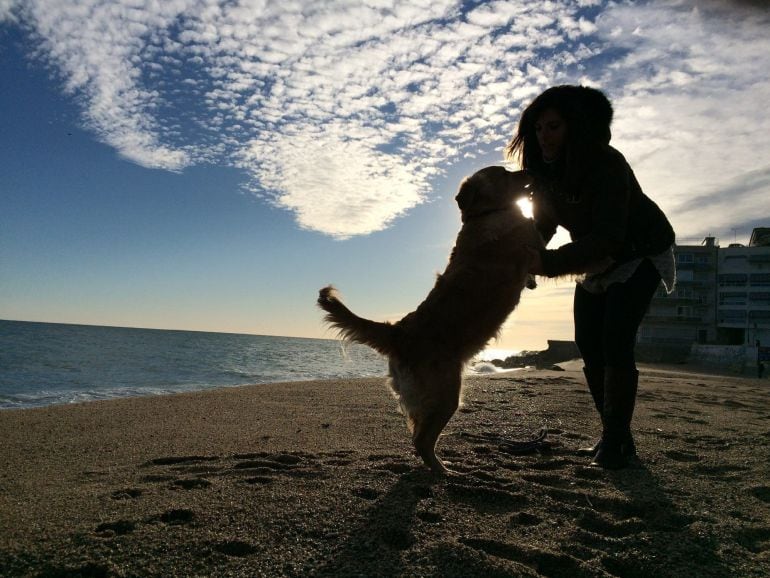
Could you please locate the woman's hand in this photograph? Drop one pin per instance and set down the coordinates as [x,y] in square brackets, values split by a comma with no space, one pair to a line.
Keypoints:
[535,262]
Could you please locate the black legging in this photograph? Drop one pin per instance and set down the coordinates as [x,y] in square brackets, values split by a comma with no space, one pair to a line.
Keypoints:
[606,323]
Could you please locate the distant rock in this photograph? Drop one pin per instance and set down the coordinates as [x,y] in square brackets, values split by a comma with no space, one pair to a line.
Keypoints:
[557,352]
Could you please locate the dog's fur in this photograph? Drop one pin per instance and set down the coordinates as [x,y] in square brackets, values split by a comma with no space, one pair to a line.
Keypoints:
[481,285]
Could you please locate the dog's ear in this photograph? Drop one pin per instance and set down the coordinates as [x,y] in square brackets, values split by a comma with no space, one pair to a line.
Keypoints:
[466,194]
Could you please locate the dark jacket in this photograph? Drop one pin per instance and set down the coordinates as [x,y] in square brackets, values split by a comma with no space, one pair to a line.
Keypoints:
[607,215]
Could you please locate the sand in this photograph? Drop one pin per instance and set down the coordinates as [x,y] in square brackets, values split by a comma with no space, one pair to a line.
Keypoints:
[319,478]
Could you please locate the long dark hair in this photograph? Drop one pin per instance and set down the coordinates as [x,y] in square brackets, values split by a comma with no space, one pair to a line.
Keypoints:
[588,115]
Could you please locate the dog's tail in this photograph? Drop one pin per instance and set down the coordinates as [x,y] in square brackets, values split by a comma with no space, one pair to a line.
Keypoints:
[379,336]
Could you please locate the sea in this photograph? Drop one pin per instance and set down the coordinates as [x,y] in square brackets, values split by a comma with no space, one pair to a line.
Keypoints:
[48,363]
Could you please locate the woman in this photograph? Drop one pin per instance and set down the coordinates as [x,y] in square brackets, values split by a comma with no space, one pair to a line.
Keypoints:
[621,242]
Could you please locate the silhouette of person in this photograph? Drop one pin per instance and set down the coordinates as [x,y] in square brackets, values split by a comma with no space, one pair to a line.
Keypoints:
[622,245]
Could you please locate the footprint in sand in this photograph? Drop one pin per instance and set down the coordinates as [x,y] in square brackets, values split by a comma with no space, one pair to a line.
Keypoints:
[755,539]
[366,493]
[678,456]
[339,458]
[294,465]
[88,569]
[255,469]
[552,464]
[191,483]
[609,528]
[589,473]
[258,480]
[761,493]
[708,442]
[392,463]
[177,517]
[549,480]
[720,471]
[235,548]
[156,479]
[127,494]
[176,460]
[541,561]
[429,517]
[525,519]
[485,498]
[117,528]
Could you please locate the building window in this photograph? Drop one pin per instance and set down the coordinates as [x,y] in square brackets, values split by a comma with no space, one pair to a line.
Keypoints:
[684,311]
[759,315]
[760,298]
[684,293]
[760,279]
[732,316]
[733,279]
[702,259]
[685,258]
[686,275]
[732,298]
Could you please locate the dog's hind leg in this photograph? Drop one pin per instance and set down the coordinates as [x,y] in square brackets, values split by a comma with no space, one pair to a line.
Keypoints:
[426,433]
[430,424]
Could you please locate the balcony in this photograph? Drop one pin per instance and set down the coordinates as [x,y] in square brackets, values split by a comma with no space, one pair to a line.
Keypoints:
[671,300]
[651,319]
[694,267]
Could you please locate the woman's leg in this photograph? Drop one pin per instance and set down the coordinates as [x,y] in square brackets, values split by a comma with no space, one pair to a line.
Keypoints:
[625,307]
[588,311]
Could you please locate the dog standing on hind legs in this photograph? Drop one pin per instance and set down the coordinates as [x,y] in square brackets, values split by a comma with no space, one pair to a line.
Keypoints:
[428,349]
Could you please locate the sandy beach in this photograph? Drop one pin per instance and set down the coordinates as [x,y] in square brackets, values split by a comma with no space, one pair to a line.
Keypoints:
[319,478]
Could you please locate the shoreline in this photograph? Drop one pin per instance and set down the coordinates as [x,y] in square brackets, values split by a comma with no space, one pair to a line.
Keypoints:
[494,370]
[319,478]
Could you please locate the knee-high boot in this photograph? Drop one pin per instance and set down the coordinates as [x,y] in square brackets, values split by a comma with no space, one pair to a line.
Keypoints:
[595,380]
[617,444]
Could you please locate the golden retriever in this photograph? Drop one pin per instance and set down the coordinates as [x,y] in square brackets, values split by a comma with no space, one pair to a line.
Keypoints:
[428,349]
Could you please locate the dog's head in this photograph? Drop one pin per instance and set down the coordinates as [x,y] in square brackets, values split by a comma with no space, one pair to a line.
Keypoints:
[491,189]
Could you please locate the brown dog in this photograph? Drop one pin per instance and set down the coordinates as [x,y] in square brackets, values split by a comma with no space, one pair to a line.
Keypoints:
[481,285]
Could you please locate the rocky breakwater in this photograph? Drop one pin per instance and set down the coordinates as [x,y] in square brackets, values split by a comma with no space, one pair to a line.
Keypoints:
[557,352]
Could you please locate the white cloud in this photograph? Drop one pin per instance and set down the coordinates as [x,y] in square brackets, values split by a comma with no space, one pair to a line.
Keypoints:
[339,187]
[7,11]
[371,100]
[96,47]
[692,117]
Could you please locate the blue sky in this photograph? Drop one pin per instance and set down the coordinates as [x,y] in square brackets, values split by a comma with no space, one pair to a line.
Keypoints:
[208,165]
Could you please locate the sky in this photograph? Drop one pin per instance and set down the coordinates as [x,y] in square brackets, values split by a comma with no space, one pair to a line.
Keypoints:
[209,165]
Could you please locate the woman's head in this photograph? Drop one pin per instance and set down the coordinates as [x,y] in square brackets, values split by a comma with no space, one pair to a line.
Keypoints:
[565,122]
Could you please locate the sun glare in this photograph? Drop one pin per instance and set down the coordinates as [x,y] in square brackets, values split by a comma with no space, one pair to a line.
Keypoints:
[526,207]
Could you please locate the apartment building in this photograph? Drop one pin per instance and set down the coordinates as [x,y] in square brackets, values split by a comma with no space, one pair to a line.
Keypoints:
[722,297]
[743,293]
[688,315]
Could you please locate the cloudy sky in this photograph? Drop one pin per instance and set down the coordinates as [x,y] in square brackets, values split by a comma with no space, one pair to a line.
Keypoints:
[209,164]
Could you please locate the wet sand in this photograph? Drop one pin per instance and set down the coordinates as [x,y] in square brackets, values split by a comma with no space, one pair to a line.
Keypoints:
[319,478]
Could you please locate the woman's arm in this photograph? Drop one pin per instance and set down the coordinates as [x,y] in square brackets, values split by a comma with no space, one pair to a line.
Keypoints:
[543,216]
[611,187]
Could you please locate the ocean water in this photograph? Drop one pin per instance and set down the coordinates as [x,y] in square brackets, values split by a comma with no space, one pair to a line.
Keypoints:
[46,363]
